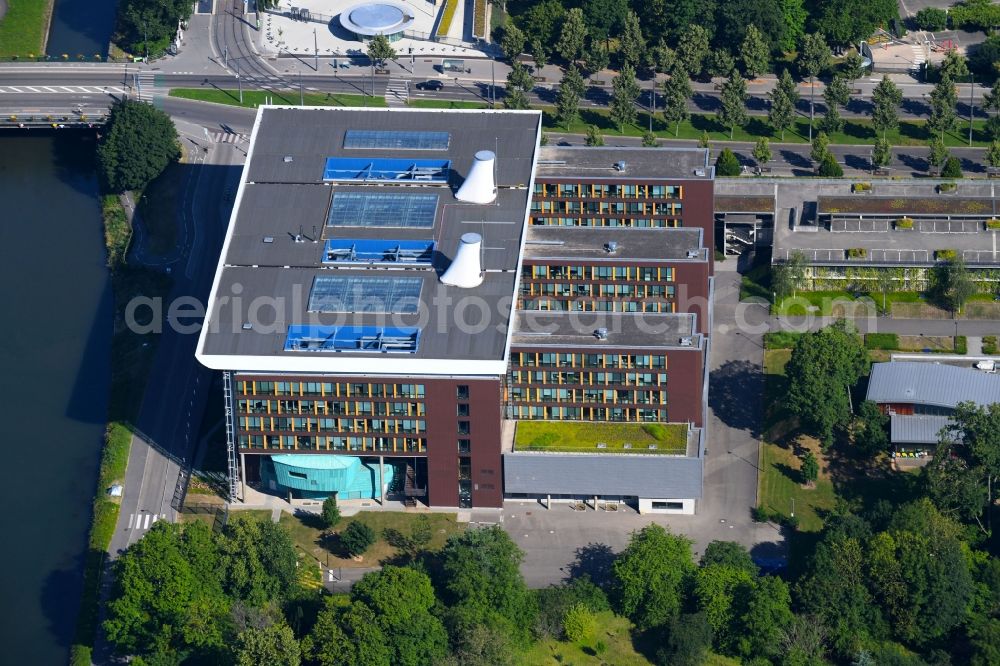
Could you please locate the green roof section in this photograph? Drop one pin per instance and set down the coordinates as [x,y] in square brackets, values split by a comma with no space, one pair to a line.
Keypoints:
[576,437]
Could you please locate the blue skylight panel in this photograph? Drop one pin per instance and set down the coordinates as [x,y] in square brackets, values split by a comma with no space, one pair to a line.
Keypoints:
[370,209]
[369,339]
[385,170]
[396,140]
[378,251]
[392,295]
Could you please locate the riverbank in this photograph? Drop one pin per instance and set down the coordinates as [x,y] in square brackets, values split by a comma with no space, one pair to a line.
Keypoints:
[131,358]
[24,29]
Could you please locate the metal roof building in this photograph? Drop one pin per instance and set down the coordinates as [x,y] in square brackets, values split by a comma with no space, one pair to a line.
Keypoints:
[931,385]
[917,428]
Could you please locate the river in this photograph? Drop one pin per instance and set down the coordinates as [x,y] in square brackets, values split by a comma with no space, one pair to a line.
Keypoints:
[81,27]
[54,364]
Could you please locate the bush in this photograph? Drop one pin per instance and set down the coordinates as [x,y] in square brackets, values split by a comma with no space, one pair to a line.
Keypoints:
[993,223]
[856,253]
[861,187]
[331,512]
[904,223]
[990,345]
[887,341]
[727,164]
[947,187]
[357,538]
[952,168]
[961,344]
[781,339]
[931,18]
[945,255]
[830,168]
[579,624]
[656,431]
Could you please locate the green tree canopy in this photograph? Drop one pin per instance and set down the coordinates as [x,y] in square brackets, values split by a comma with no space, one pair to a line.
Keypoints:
[886,99]
[824,365]
[809,467]
[380,50]
[573,35]
[676,93]
[944,98]
[721,592]
[689,639]
[973,440]
[348,636]
[727,164]
[512,42]
[593,138]
[820,147]
[632,44]
[814,55]
[139,20]
[331,512]
[762,151]
[693,48]
[845,22]
[766,616]
[755,53]
[873,435]
[781,114]
[931,18]
[734,18]
[258,560]
[720,62]
[952,168]
[357,538]
[730,554]
[139,142]
[733,112]
[788,276]
[992,154]
[853,66]
[625,90]
[881,153]
[596,57]
[274,645]
[604,17]
[650,574]
[830,167]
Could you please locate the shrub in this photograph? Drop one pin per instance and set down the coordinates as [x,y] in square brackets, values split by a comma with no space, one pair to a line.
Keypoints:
[80,655]
[945,255]
[830,168]
[904,223]
[947,187]
[656,431]
[990,345]
[727,164]
[856,253]
[961,344]
[357,538]
[331,512]
[952,168]
[888,341]
[931,18]
[579,623]
[781,339]
[861,187]
[993,223]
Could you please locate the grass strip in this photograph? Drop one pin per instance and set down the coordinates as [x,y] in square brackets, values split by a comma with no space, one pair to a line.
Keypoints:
[23,28]
[254,98]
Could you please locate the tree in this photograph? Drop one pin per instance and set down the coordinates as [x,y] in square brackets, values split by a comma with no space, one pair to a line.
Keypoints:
[604,17]
[539,53]
[767,616]
[519,84]
[730,554]
[734,17]
[512,42]
[632,45]
[727,164]
[952,168]
[676,93]
[781,115]
[704,141]
[347,637]
[579,623]
[573,35]
[991,102]
[872,437]
[357,538]
[596,57]
[483,646]
[762,151]
[852,67]
[483,579]
[593,138]
[720,592]
[142,20]
[830,167]
[274,645]
[138,144]
[954,66]
[258,560]
[788,276]
[541,22]
[802,642]
[937,153]
[755,53]
[836,94]
[573,79]
[975,15]
[733,112]
[555,600]
[820,148]
[983,58]
[663,57]
[380,50]
[719,63]
[824,365]
[813,59]
[993,153]
[649,576]
[649,140]
[951,284]
[809,467]
[884,283]
[933,19]
[846,22]
[692,49]
[881,153]
[886,98]
[331,512]
[943,100]
[794,15]
[974,440]
[401,599]
[625,90]
[689,638]
[567,104]
[515,99]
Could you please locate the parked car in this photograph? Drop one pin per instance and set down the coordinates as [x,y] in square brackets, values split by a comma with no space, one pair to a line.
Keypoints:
[430,85]
[987,365]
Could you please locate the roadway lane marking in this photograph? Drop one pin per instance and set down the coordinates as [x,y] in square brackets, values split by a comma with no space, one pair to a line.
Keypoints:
[17,90]
[34,90]
[68,89]
[146,526]
[131,517]
[155,518]
[51,90]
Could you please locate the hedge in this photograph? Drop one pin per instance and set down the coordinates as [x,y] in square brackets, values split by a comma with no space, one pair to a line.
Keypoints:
[856,253]
[961,344]
[904,223]
[990,345]
[781,339]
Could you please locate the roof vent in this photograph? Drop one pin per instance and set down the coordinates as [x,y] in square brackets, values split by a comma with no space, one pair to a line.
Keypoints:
[479,186]
[247,326]
[466,270]
[687,341]
[693,254]
[620,165]
[287,159]
[268,239]
[601,334]
[700,173]
[611,247]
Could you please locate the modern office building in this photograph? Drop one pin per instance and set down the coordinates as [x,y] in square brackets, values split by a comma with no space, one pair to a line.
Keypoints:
[384,314]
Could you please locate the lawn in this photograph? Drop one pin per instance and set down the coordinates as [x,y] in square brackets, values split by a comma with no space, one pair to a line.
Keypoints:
[856,131]
[584,437]
[255,98]
[446,104]
[309,535]
[22,30]
[825,303]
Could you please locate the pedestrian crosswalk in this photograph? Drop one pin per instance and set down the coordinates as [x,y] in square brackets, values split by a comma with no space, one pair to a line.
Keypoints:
[143,521]
[397,92]
[146,86]
[227,137]
[56,90]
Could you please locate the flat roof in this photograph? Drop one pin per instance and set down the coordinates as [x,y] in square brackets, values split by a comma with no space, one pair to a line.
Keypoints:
[931,384]
[349,193]
[666,163]
[606,438]
[917,428]
[591,243]
[940,205]
[623,329]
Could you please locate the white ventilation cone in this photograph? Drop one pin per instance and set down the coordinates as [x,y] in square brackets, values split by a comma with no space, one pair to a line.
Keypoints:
[479,187]
[466,270]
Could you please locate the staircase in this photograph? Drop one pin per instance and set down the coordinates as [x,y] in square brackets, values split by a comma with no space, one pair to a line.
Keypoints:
[410,489]
[397,92]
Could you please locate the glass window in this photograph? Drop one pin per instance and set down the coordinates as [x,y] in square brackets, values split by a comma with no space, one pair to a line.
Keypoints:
[463,409]
[465,446]
[464,428]
[462,392]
